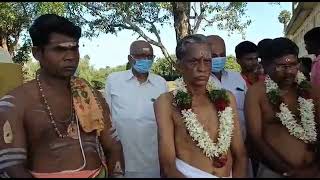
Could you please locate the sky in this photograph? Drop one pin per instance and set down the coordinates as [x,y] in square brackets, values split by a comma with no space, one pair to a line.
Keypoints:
[112,50]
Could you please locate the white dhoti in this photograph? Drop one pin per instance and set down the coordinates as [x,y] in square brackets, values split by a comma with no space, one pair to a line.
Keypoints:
[192,172]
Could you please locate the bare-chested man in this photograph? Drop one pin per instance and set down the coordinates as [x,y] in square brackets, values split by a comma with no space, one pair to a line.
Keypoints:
[179,155]
[57,125]
[282,136]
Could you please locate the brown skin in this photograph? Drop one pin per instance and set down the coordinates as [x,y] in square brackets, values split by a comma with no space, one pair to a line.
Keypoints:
[218,49]
[32,128]
[137,52]
[271,140]
[175,142]
[249,66]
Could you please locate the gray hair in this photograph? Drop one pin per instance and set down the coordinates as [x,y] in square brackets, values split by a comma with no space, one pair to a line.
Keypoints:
[181,48]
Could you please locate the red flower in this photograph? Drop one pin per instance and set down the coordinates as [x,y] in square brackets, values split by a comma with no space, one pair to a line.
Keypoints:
[220,104]
[220,162]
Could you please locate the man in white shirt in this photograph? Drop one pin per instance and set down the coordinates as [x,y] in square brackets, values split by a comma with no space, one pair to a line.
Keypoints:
[130,95]
[229,80]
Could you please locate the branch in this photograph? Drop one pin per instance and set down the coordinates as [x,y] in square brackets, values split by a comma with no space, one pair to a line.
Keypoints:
[151,41]
[198,19]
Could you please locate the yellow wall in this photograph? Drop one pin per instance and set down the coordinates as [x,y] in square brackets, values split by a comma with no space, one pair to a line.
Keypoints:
[10,77]
[313,20]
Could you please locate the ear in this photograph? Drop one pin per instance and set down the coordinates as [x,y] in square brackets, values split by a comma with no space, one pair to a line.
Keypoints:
[36,52]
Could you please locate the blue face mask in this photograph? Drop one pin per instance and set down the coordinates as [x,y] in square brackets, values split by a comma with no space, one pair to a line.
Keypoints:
[143,65]
[218,64]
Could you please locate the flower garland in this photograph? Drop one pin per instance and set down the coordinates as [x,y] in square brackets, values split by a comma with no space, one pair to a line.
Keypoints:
[219,97]
[307,130]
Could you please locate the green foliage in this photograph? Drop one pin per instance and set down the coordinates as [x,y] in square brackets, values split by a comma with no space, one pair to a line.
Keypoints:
[284,17]
[165,68]
[183,100]
[232,64]
[29,69]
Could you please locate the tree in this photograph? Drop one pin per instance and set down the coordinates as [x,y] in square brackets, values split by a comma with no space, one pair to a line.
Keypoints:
[164,69]
[232,64]
[29,70]
[284,18]
[147,18]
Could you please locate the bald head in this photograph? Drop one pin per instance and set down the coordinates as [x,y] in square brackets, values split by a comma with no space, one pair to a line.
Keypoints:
[141,47]
[217,45]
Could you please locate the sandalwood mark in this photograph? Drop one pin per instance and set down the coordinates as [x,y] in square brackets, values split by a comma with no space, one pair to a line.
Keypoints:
[7,133]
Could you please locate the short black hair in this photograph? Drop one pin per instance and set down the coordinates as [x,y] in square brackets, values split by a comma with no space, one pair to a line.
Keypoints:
[181,45]
[280,47]
[262,46]
[313,35]
[244,48]
[46,24]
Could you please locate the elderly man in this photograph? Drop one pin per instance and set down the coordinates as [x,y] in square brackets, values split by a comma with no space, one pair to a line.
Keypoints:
[130,95]
[57,126]
[282,114]
[195,139]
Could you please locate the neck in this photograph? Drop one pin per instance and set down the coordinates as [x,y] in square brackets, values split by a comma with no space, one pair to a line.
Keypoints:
[141,77]
[251,76]
[196,91]
[218,75]
[54,81]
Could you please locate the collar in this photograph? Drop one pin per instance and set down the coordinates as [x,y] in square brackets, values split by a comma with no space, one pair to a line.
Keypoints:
[130,76]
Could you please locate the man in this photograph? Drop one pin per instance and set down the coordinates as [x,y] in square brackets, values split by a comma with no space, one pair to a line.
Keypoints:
[263,50]
[10,73]
[57,125]
[247,58]
[284,147]
[179,155]
[311,40]
[130,95]
[229,80]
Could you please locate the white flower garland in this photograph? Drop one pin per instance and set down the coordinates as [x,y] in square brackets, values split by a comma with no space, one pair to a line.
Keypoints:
[307,130]
[197,132]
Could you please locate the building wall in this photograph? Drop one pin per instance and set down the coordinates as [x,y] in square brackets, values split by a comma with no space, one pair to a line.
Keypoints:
[313,20]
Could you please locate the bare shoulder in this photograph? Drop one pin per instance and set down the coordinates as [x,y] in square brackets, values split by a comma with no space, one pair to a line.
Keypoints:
[164,99]
[22,93]
[256,89]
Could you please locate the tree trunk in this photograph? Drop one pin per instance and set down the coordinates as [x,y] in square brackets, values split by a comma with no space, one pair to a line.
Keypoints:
[181,15]
[3,42]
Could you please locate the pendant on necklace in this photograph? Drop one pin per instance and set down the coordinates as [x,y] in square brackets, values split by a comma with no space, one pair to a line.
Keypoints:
[72,130]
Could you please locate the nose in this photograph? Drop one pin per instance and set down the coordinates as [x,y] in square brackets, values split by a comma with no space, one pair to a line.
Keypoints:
[202,66]
[71,55]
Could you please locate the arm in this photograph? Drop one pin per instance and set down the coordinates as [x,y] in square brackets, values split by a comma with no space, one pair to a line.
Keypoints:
[111,143]
[239,154]
[13,147]
[254,128]
[166,146]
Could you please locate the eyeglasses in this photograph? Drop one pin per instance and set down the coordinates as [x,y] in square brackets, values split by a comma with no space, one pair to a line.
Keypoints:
[291,67]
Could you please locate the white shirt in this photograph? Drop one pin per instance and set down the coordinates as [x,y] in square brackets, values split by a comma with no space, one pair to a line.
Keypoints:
[132,112]
[234,82]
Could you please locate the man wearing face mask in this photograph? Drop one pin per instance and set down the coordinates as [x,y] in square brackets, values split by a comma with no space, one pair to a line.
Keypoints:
[130,95]
[229,80]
